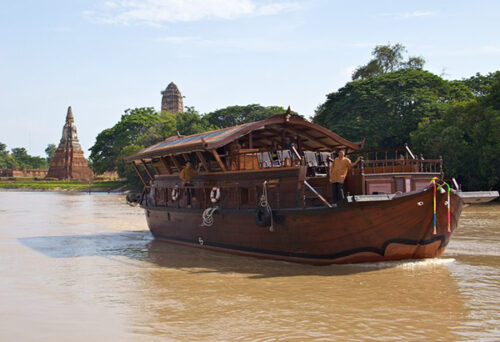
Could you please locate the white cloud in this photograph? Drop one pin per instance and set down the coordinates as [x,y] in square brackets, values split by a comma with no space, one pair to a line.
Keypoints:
[177,39]
[157,12]
[418,14]
[409,15]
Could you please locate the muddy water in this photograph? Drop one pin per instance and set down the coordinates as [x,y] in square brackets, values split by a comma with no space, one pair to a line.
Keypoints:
[78,267]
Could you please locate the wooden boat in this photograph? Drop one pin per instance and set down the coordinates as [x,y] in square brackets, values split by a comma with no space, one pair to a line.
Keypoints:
[263,191]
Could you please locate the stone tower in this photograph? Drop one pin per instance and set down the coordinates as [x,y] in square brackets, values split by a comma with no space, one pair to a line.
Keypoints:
[172,99]
[68,161]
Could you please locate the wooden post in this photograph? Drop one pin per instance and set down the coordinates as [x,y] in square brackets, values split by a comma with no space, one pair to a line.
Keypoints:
[217,157]
[176,163]
[441,173]
[203,161]
[150,175]
[250,140]
[186,158]
[363,182]
[139,174]
[165,163]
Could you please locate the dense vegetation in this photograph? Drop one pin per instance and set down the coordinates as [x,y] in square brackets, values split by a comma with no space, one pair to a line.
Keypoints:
[18,158]
[459,120]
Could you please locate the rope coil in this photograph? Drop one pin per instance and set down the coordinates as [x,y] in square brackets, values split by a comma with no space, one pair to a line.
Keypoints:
[264,202]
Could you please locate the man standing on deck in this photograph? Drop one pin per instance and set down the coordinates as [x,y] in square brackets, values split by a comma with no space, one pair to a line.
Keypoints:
[186,175]
[337,174]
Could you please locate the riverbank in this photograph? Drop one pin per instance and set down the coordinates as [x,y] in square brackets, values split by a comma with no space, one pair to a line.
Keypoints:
[63,186]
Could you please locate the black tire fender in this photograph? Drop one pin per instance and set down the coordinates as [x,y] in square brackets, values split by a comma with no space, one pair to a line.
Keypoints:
[263,216]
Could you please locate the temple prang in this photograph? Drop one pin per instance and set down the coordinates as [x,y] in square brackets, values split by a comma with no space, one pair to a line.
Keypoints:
[172,99]
[68,161]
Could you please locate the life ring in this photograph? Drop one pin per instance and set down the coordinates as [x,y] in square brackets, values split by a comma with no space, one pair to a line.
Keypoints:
[263,216]
[175,194]
[215,195]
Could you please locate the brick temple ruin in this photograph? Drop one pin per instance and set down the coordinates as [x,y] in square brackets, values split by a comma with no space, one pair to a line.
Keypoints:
[172,99]
[68,161]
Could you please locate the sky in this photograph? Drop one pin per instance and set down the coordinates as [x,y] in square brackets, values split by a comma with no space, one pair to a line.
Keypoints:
[104,56]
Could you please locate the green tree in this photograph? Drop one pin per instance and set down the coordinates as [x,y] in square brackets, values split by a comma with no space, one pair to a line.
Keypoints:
[387,58]
[166,127]
[467,135]
[385,108]
[481,85]
[6,160]
[189,122]
[132,127]
[21,159]
[237,115]
[126,170]
[50,151]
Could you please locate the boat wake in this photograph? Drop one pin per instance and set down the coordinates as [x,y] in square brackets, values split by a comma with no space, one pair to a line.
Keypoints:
[405,264]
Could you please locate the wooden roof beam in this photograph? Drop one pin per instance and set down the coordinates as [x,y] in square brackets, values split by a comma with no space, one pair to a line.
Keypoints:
[150,175]
[203,160]
[307,136]
[165,164]
[219,161]
[176,163]
[139,173]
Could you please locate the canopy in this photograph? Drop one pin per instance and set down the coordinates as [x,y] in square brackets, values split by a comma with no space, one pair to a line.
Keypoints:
[262,134]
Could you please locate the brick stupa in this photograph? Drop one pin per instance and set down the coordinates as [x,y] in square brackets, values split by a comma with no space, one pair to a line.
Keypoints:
[68,161]
[172,99]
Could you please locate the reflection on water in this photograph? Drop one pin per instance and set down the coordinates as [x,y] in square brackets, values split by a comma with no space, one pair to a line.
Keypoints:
[80,267]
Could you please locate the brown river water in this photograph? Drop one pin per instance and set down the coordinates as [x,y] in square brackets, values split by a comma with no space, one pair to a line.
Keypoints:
[79,267]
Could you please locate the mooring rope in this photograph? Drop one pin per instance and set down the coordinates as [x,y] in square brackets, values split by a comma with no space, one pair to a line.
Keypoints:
[264,202]
[208,217]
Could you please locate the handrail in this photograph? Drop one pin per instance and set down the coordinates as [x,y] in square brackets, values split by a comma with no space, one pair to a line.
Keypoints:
[392,165]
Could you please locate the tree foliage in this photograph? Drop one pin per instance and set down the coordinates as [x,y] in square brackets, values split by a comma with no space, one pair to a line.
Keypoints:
[387,58]
[481,85]
[237,115]
[18,158]
[385,108]
[50,150]
[134,124]
[467,135]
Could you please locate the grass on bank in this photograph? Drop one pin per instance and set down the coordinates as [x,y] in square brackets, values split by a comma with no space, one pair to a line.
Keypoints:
[61,185]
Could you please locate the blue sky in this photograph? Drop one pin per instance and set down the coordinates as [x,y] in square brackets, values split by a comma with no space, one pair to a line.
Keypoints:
[102,57]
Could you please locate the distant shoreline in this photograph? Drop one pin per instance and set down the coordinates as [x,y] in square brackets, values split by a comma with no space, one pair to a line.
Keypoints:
[92,190]
[63,186]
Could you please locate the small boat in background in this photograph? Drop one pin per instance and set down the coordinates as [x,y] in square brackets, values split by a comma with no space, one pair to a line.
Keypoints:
[263,191]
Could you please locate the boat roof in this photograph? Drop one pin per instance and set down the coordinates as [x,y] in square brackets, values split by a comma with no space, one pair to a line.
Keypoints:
[312,136]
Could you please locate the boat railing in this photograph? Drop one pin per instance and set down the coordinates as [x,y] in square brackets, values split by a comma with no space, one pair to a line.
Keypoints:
[200,196]
[399,165]
[232,196]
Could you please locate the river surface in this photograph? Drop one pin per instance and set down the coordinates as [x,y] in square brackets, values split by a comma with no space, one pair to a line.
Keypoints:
[79,267]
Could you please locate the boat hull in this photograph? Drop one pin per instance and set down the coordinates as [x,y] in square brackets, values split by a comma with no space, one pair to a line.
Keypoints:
[395,229]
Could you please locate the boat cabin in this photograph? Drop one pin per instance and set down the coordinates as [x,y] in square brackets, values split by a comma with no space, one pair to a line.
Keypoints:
[290,154]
